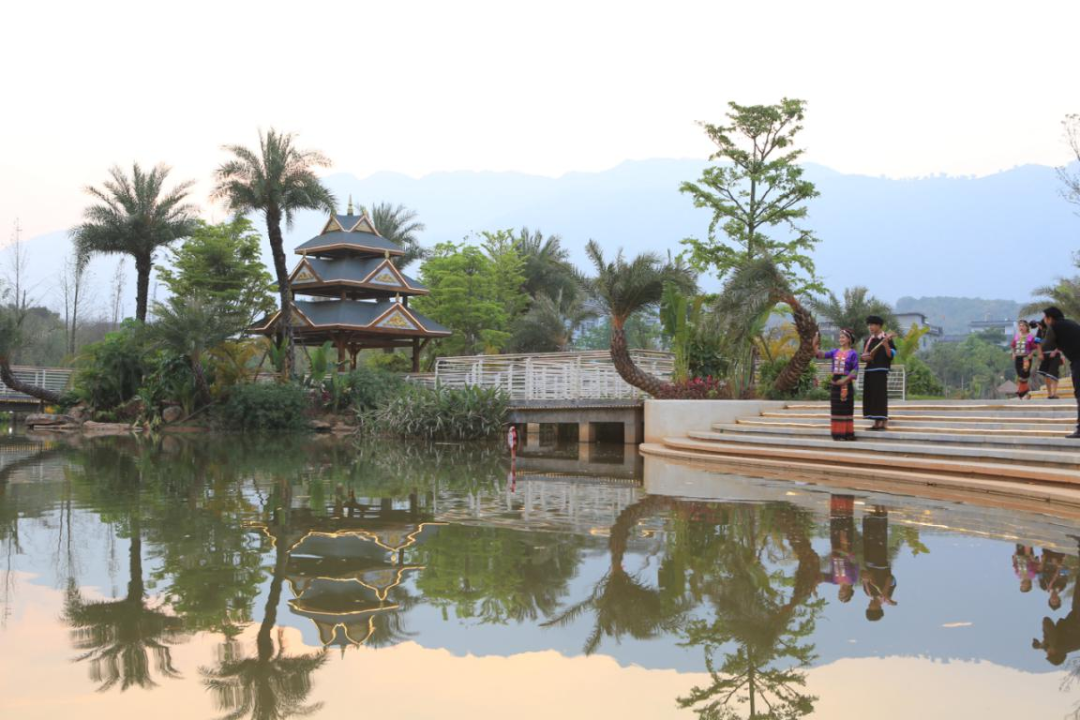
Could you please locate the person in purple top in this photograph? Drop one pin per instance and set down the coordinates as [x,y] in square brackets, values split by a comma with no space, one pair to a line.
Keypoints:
[845,368]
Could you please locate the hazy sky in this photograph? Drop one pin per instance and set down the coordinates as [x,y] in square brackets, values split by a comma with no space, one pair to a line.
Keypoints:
[539,87]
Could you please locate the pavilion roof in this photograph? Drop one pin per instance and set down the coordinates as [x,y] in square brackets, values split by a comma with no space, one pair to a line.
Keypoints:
[345,243]
[383,317]
[371,273]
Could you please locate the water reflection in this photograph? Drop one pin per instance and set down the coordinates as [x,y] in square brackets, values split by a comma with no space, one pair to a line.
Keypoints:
[275,553]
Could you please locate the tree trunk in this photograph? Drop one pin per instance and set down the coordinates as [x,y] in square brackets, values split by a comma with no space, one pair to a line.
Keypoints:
[143,265]
[277,247]
[9,379]
[201,387]
[628,371]
[788,379]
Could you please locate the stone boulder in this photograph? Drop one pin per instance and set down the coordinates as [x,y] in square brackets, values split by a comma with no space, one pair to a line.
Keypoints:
[40,420]
[98,428]
[173,413]
[321,426]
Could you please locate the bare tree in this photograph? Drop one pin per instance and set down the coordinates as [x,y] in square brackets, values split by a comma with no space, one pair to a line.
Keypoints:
[1071,178]
[73,288]
[119,279]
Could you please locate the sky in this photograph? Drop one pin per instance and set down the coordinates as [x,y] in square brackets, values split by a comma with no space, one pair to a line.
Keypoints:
[962,88]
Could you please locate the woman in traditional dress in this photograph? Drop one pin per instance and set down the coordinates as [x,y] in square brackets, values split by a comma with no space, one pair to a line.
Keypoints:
[1050,362]
[1023,350]
[878,354]
[845,368]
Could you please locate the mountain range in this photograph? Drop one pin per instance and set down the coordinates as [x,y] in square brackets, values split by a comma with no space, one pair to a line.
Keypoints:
[997,236]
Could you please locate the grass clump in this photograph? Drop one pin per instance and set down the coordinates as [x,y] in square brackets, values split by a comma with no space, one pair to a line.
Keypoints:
[266,408]
[469,413]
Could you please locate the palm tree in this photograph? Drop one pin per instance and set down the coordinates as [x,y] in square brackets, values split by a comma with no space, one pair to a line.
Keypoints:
[398,224]
[1064,295]
[551,323]
[547,265]
[135,216]
[277,180]
[189,326]
[625,287]
[851,311]
[750,293]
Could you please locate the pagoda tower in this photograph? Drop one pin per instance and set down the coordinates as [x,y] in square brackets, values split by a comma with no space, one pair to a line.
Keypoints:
[359,299]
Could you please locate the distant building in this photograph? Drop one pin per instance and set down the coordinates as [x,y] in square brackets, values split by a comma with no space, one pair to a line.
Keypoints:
[934,333]
[1007,328]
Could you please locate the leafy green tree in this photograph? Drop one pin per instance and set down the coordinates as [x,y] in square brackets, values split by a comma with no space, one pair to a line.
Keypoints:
[399,224]
[135,216]
[974,367]
[468,296]
[223,265]
[758,187]
[852,310]
[508,268]
[624,288]
[277,180]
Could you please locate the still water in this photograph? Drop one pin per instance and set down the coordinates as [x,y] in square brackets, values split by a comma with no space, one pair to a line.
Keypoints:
[290,577]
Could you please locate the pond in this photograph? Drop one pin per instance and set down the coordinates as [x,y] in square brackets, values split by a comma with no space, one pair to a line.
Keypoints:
[288,577]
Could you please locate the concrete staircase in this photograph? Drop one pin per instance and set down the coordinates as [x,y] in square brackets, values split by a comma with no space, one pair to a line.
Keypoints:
[970,443]
[1065,389]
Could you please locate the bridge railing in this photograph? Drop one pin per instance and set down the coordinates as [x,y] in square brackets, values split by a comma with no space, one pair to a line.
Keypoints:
[548,376]
[55,379]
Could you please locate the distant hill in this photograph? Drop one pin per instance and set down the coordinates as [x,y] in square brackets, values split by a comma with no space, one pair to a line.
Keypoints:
[955,314]
[918,237]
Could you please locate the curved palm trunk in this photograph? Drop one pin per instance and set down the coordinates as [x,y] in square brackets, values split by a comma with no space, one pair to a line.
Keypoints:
[143,265]
[277,247]
[9,379]
[788,379]
[628,371]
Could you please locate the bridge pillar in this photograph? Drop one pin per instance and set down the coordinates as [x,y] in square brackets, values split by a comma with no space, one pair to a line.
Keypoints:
[633,432]
[532,435]
[586,433]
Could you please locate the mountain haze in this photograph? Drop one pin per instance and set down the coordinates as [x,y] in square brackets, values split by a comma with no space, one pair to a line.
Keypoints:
[996,236]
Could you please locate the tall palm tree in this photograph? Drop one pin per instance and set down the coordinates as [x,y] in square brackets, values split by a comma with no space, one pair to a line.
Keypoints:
[277,180]
[399,224]
[852,310]
[626,287]
[1064,295]
[750,293]
[190,326]
[547,265]
[135,216]
[551,323]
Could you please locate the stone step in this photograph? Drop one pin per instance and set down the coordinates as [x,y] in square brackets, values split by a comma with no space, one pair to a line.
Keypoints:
[1060,500]
[1034,416]
[877,455]
[967,406]
[862,449]
[944,425]
[992,438]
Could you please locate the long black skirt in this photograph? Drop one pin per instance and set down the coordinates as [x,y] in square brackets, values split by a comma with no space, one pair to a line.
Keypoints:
[842,410]
[1023,376]
[875,403]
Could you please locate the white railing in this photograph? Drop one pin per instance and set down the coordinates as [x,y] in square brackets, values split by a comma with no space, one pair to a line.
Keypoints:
[548,376]
[55,379]
[897,380]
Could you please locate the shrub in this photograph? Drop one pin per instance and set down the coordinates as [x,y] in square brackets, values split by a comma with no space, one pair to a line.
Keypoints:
[362,389]
[921,379]
[415,411]
[706,388]
[109,373]
[266,407]
[771,369]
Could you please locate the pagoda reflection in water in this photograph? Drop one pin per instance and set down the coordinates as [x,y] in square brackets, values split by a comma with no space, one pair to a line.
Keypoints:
[347,569]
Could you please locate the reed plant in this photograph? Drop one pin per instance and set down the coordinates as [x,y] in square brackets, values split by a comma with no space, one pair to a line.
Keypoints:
[470,413]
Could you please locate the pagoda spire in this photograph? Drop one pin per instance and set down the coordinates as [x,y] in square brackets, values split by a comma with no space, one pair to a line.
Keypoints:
[350,212]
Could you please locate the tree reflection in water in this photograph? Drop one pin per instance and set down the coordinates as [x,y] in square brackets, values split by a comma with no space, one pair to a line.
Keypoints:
[730,563]
[270,685]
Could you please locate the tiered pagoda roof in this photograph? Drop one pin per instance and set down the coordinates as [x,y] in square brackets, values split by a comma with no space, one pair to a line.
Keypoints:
[362,297]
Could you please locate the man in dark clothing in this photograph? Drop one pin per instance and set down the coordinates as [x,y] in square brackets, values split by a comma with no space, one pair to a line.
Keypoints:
[1066,338]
